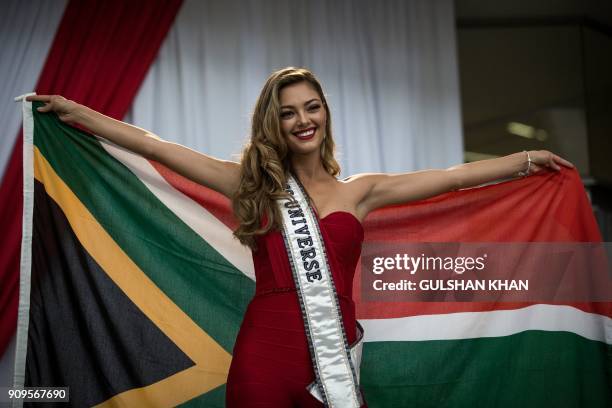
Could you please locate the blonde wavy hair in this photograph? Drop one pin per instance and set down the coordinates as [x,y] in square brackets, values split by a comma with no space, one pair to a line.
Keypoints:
[265,161]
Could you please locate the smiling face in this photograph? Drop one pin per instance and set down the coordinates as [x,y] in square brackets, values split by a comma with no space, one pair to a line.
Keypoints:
[302,117]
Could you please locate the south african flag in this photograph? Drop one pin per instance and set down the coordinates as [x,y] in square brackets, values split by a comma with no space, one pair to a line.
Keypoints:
[133,290]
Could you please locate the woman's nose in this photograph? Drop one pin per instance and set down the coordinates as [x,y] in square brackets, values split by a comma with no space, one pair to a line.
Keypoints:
[302,118]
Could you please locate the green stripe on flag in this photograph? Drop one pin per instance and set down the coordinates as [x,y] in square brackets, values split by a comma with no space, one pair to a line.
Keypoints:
[529,369]
[192,273]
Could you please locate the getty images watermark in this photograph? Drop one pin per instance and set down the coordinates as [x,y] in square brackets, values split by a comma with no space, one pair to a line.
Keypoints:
[484,272]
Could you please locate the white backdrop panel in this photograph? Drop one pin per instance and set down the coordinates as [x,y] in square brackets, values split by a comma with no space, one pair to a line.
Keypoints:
[26,32]
[389,69]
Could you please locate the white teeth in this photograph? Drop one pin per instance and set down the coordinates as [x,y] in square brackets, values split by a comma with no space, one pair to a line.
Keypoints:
[306,133]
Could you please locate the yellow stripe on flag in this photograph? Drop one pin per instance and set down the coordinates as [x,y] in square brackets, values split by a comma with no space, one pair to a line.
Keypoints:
[211,360]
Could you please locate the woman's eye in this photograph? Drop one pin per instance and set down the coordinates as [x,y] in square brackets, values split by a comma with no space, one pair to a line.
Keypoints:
[314,107]
[286,114]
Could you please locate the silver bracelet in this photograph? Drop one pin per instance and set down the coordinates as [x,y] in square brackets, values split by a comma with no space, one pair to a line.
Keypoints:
[526,172]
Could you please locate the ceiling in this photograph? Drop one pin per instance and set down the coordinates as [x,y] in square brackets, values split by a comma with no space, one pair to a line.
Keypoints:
[599,10]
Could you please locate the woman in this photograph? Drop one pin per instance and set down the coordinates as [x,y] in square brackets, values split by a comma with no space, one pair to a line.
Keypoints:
[287,176]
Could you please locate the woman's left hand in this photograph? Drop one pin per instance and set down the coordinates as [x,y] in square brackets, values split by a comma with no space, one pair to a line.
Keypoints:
[541,159]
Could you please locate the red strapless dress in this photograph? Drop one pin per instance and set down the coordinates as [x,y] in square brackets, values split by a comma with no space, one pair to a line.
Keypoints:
[271,364]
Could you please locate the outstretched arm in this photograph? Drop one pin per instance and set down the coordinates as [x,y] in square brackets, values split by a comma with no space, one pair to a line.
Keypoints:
[381,190]
[220,175]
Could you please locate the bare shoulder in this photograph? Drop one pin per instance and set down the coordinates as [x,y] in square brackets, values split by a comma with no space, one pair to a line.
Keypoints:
[361,183]
[356,188]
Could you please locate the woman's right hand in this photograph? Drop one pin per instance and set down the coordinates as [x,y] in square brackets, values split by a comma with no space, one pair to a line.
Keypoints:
[66,109]
[220,175]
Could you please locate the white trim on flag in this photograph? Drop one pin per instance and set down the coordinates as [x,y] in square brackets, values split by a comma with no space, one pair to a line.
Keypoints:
[23,311]
[200,220]
[498,323]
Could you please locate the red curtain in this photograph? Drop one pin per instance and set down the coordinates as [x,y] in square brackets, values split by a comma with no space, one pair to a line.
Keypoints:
[99,57]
